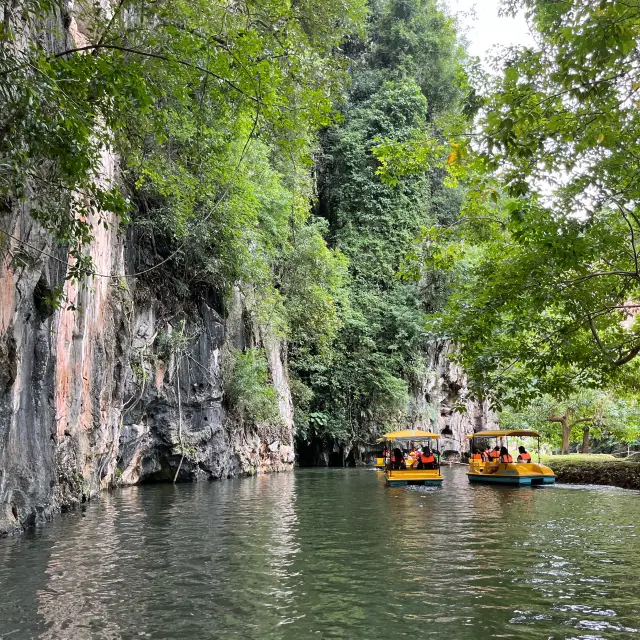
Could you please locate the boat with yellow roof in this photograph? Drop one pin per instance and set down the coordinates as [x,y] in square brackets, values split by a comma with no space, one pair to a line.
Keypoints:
[509,473]
[411,475]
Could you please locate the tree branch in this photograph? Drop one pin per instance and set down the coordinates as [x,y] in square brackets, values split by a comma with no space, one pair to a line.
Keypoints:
[603,274]
[630,355]
[575,422]
[157,56]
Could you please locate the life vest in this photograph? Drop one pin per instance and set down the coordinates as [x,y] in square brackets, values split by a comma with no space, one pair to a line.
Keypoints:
[507,458]
[427,459]
[476,456]
[393,459]
[525,457]
[494,455]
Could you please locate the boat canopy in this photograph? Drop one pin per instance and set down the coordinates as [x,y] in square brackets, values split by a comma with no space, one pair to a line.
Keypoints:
[408,434]
[503,434]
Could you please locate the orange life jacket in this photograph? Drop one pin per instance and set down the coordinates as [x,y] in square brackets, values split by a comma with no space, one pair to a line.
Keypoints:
[476,456]
[507,458]
[427,459]
[525,457]
[494,455]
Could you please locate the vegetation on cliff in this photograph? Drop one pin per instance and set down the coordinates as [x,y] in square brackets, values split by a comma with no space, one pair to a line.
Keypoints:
[544,257]
[334,162]
[407,83]
[212,111]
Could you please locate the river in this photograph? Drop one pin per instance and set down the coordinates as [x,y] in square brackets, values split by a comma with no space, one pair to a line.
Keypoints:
[330,553]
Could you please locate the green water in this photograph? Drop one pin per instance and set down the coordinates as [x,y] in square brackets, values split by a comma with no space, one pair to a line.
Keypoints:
[330,554]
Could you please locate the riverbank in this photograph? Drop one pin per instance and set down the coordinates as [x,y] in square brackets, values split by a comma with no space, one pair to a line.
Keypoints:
[595,469]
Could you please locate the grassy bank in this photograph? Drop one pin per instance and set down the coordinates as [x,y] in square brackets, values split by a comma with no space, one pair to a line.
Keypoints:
[594,469]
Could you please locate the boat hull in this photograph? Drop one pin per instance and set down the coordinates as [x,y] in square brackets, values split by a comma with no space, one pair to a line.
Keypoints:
[423,477]
[516,474]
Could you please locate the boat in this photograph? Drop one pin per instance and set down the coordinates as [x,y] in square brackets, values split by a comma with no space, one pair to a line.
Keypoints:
[509,473]
[410,475]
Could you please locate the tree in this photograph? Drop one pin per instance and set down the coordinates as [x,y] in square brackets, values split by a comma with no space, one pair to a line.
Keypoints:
[405,78]
[601,414]
[547,280]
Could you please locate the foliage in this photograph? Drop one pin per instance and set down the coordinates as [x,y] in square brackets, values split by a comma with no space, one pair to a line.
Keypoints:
[200,101]
[404,80]
[545,265]
[247,386]
[577,458]
[603,414]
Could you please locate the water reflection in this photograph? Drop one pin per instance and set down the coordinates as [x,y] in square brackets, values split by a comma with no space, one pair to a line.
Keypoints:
[330,554]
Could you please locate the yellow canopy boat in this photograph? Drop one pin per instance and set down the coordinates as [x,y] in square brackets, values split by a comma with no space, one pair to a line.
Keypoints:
[411,475]
[510,473]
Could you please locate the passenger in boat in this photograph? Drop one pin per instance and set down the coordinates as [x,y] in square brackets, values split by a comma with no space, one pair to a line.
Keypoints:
[476,456]
[494,455]
[523,455]
[426,459]
[397,461]
[485,454]
[505,456]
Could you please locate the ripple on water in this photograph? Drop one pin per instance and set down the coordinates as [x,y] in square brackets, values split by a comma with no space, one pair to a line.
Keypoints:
[330,554]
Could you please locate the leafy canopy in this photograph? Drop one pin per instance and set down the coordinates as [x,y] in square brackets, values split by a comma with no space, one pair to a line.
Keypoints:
[545,255]
[406,79]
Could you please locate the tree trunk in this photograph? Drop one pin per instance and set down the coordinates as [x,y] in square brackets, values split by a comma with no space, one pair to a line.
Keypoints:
[566,434]
[585,440]
[566,428]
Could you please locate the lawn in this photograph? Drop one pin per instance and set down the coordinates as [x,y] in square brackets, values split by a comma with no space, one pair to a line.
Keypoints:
[578,458]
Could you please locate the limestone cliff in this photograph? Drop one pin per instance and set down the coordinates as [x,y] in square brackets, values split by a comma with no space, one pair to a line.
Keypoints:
[441,402]
[89,394]
[89,390]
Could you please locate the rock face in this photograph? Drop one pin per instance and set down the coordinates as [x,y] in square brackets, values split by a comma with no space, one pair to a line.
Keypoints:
[90,394]
[440,402]
[92,390]
[176,404]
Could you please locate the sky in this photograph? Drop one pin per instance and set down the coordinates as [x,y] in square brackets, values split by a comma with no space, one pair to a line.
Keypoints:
[485,29]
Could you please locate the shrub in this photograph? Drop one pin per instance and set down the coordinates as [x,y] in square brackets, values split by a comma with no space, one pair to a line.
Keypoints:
[247,386]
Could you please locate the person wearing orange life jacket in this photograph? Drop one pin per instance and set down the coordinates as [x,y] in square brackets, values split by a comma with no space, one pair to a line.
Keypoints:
[426,459]
[485,454]
[494,455]
[476,456]
[505,456]
[523,455]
